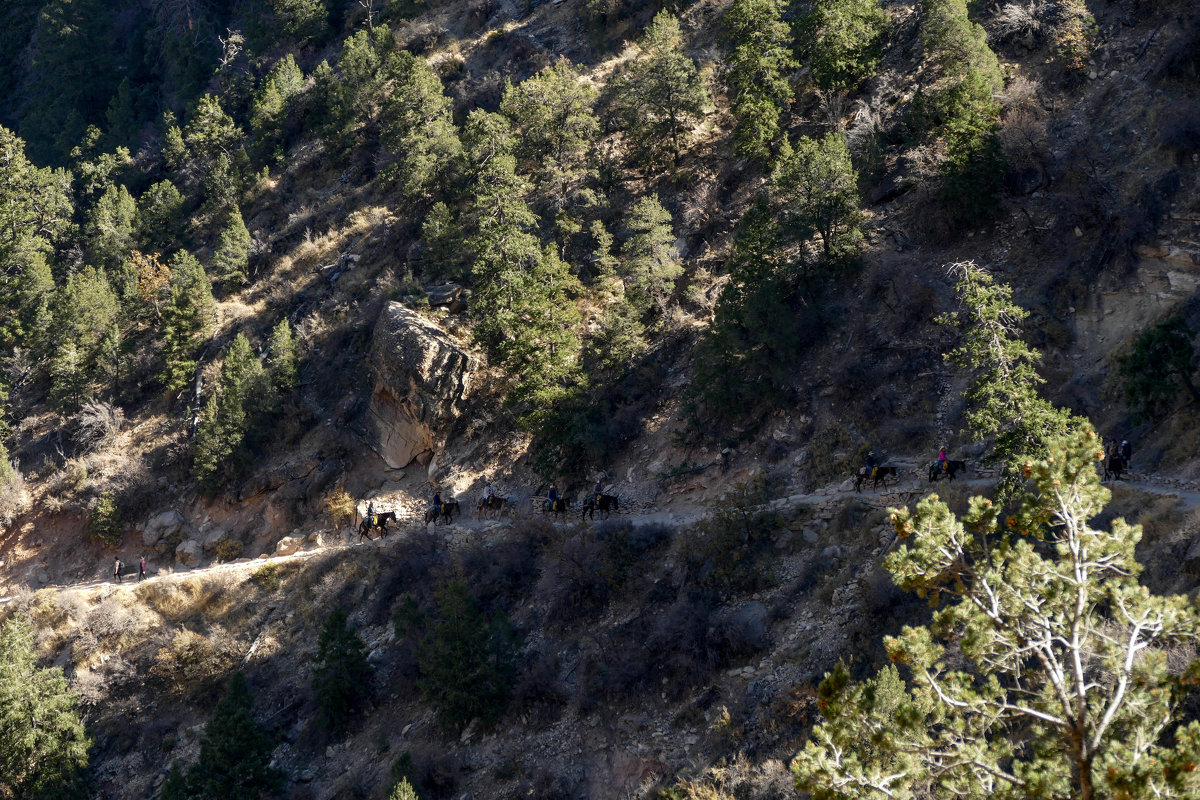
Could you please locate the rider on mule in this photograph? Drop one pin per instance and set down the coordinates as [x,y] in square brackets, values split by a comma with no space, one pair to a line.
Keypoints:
[871,465]
[371,512]
[552,497]
[437,503]
[942,465]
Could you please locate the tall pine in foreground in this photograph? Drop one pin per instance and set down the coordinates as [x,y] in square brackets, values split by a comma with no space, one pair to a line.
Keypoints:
[228,415]
[1002,396]
[341,674]
[1044,672]
[758,69]
[43,745]
[188,320]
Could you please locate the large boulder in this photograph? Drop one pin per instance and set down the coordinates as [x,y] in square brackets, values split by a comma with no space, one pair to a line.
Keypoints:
[188,552]
[422,377]
[162,526]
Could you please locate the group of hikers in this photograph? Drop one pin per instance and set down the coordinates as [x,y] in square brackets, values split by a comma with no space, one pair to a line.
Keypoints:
[119,565]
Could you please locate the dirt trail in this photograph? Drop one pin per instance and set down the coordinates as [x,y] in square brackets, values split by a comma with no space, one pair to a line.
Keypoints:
[1187,494]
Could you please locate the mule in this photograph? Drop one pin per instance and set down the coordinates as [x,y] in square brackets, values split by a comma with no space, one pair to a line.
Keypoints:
[558,508]
[492,503]
[377,521]
[606,504]
[449,509]
[1114,465]
[952,469]
[881,476]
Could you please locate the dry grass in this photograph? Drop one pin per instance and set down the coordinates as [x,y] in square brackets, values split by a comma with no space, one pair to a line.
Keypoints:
[740,780]
[190,659]
[192,598]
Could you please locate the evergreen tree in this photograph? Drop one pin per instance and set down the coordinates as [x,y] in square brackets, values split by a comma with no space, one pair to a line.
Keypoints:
[302,19]
[211,132]
[1160,362]
[661,95]
[160,217]
[467,661]
[556,126]
[110,227]
[957,44]
[522,299]
[650,264]
[816,187]
[403,790]
[174,149]
[758,69]
[121,115]
[31,301]
[750,349]
[187,321]
[418,126]
[105,522]
[341,674]
[85,309]
[972,176]
[235,752]
[443,238]
[621,335]
[1044,672]
[271,105]
[43,744]
[35,208]
[1002,397]
[227,417]
[231,259]
[842,42]
[281,358]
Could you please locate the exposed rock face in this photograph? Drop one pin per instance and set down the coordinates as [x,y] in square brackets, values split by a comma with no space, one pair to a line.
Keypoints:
[188,552]
[421,380]
[162,526]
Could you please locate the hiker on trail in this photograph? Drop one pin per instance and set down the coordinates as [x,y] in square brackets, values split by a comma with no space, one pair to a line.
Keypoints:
[141,568]
[117,568]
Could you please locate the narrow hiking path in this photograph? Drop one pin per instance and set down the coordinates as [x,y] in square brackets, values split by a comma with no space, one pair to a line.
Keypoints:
[911,486]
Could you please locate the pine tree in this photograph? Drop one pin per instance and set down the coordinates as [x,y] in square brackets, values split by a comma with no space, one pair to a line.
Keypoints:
[160,217]
[403,790]
[556,126]
[621,335]
[1002,396]
[235,752]
[121,115]
[758,66]
[231,259]
[43,744]
[1044,673]
[85,309]
[281,358]
[649,264]
[661,95]
[418,127]
[1160,361]
[110,227]
[105,522]
[443,238]
[227,417]
[274,98]
[341,674]
[842,42]
[188,320]
[467,662]
[302,19]
[816,187]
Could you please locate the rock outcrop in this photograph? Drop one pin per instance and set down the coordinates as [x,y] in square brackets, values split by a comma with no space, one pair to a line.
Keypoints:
[422,377]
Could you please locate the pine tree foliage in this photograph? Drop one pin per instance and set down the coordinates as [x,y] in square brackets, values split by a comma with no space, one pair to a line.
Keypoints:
[231,259]
[111,227]
[105,522]
[160,217]
[650,263]
[621,335]
[302,19]
[1160,361]
[1002,396]
[228,415]
[443,238]
[341,674]
[418,127]
[661,95]
[281,358]
[1044,672]
[275,96]
[85,308]
[842,41]
[235,753]
[43,744]
[35,205]
[553,114]
[467,661]
[403,790]
[815,186]
[757,72]
[187,321]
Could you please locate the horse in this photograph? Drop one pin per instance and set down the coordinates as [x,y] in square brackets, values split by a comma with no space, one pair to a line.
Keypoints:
[1114,465]
[881,476]
[606,504]
[952,468]
[449,509]
[493,503]
[377,521]
[557,508]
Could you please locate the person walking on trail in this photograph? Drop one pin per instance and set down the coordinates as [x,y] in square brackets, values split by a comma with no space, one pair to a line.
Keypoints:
[117,568]
[141,568]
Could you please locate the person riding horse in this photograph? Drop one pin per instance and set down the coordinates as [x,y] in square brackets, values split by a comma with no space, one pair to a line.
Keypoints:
[552,498]
[871,465]
[942,459]
[437,503]
[371,512]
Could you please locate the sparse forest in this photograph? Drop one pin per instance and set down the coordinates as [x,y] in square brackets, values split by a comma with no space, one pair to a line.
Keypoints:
[690,253]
